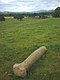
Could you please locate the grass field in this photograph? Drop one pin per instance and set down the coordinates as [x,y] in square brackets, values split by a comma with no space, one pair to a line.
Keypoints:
[18,39]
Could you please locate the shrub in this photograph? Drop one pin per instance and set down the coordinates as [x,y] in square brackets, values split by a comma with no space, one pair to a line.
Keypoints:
[19,17]
[2,18]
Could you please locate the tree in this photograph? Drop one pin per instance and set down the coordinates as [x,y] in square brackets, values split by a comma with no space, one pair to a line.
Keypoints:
[56,12]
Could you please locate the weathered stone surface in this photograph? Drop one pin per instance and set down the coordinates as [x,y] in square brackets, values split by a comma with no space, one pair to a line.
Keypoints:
[21,68]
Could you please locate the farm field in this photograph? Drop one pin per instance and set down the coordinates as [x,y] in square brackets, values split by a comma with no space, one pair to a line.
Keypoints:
[18,39]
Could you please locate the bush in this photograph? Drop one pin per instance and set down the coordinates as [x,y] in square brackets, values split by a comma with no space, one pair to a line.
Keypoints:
[19,17]
[2,18]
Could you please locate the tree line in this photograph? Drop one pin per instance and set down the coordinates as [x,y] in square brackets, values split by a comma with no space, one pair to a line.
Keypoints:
[43,15]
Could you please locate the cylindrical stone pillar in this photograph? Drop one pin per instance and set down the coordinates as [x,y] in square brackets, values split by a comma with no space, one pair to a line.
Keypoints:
[21,68]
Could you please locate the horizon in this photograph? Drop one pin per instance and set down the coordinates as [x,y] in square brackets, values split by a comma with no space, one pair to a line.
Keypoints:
[27,11]
[27,5]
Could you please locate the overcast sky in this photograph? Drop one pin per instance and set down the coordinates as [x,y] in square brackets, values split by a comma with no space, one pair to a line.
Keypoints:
[28,5]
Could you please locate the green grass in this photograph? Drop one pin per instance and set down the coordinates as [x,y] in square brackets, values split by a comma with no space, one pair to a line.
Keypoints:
[18,39]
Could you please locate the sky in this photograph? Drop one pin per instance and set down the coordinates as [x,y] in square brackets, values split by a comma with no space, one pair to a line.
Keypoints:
[28,5]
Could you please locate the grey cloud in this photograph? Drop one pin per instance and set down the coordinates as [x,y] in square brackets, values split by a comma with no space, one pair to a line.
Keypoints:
[31,4]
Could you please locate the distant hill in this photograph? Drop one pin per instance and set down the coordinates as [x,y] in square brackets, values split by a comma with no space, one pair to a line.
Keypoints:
[39,11]
[42,11]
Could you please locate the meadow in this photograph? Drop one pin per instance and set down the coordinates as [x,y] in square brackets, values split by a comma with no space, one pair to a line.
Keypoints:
[18,39]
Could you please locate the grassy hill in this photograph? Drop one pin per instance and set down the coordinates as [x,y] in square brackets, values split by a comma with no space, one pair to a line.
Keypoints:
[18,39]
